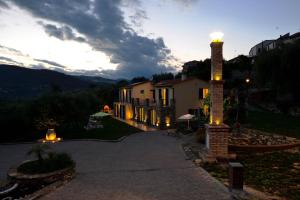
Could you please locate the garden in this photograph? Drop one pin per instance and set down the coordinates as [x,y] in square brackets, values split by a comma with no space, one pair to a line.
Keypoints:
[275,173]
[67,113]
[33,178]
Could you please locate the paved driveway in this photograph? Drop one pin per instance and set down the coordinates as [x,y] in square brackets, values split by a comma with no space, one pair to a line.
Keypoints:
[148,166]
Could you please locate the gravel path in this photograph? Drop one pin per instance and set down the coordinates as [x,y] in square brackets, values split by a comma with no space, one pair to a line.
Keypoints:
[148,166]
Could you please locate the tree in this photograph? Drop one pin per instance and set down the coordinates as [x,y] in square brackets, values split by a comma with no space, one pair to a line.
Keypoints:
[39,151]
[279,70]
[121,83]
[138,79]
[200,69]
[162,77]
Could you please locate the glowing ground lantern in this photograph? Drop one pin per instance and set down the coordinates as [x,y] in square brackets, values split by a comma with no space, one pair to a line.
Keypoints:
[51,136]
[106,109]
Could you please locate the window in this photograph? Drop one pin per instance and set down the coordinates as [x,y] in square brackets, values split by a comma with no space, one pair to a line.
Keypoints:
[142,91]
[200,93]
[166,100]
[153,95]
[159,93]
[192,111]
[203,93]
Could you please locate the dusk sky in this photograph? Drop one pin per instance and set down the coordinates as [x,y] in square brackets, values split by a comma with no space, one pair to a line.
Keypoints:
[127,38]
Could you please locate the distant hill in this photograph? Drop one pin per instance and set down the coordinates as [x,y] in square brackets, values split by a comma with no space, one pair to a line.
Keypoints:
[97,79]
[19,82]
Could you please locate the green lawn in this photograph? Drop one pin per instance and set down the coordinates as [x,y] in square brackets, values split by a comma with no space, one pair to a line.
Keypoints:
[276,173]
[112,129]
[274,123]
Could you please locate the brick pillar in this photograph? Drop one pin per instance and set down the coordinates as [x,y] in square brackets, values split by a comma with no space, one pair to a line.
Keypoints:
[216,132]
[217,140]
[216,83]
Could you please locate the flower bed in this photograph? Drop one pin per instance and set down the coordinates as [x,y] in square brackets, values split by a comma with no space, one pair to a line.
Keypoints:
[30,183]
[250,140]
[33,175]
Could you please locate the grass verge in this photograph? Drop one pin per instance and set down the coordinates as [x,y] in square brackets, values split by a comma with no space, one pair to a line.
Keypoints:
[277,173]
[112,129]
[274,123]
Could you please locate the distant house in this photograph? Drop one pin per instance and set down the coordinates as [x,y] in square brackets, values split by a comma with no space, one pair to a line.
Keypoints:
[268,45]
[160,104]
[259,48]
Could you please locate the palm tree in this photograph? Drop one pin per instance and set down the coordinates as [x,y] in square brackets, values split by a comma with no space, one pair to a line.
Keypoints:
[38,151]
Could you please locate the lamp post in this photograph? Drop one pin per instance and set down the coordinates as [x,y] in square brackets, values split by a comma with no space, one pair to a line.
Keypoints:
[216,131]
[248,81]
[216,83]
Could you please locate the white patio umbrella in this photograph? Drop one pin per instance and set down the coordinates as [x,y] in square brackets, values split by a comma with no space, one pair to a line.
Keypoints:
[187,117]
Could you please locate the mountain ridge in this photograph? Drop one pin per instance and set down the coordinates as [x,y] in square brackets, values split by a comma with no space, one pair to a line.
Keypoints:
[21,82]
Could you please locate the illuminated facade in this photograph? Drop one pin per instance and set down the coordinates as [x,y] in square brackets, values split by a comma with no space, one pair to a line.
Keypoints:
[160,104]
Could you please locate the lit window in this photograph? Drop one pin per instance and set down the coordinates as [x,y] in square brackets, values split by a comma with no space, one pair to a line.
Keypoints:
[164,96]
[205,92]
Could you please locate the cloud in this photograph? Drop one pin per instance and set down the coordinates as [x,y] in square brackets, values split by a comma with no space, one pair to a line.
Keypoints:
[2,58]
[6,60]
[183,2]
[4,49]
[15,57]
[138,17]
[62,33]
[103,25]
[3,4]
[54,64]
[186,2]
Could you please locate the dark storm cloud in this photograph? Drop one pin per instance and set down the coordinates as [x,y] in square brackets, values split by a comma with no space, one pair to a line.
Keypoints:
[62,33]
[54,64]
[3,4]
[103,25]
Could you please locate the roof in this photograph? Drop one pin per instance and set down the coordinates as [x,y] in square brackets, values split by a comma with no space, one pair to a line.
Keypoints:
[138,83]
[134,84]
[174,82]
[296,35]
[100,114]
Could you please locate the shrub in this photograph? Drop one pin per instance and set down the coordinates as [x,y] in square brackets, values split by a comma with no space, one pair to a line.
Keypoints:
[55,161]
[201,135]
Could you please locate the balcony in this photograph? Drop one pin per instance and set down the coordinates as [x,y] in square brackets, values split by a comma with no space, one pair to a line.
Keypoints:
[152,102]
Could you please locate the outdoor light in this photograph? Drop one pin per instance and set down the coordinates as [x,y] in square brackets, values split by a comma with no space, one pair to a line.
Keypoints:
[247,80]
[217,78]
[217,36]
[51,136]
